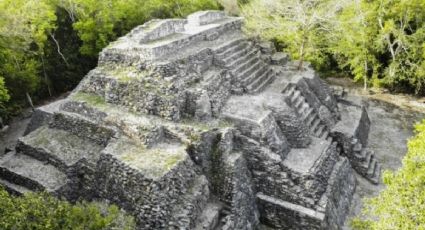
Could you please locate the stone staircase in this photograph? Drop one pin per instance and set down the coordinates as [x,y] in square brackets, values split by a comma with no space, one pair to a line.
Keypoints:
[307,113]
[244,62]
[365,162]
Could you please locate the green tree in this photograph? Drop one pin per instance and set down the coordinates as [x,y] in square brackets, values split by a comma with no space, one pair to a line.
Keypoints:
[4,95]
[95,21]
[402,35]
[300,25]
[100,22]
[24,25]
[353,41]
[402,204]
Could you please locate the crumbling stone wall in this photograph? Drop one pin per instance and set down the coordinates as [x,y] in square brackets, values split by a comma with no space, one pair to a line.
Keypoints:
[188,124]
[150,200]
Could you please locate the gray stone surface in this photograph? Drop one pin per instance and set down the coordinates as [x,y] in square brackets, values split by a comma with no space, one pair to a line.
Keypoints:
[188,124]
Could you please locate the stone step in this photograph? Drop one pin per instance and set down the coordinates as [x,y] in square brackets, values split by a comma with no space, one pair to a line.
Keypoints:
[239,48]
[295,96]
[363,155]
[59,148]
[325,135]
[209,219]
[368,161]
[357,148]
[247,68]
[31,173]
[319,130]
[307,115]
[229,45]
[191,204]
[295,99]
[312,118]
[372,167]
[255,76]
[14,188]
[238,57]
[299,103]
[304,108]
[272,208]
[291,91]
[315,124]
[269,79]
[82,127]
[376,177]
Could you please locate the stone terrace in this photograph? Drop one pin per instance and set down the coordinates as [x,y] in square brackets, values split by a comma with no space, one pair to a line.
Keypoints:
[189,124]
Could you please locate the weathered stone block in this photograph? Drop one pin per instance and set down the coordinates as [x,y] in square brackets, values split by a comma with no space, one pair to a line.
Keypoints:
[205,17]
[157,29]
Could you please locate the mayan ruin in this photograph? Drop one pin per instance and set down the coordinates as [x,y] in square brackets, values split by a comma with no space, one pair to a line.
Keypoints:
[191,124]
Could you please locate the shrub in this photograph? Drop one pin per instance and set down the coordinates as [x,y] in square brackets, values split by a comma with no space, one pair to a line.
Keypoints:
[43,211]
[402,204]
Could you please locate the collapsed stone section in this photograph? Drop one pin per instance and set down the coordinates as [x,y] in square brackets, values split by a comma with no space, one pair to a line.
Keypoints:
[188,124]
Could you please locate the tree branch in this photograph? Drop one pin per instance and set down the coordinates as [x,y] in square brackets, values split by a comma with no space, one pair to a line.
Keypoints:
[59,49]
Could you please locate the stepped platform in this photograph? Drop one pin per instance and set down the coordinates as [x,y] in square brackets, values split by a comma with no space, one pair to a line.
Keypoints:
[305,218]
[59,148]
[152,163]
[190,124]
[157,39]
[328,213]
[20,171]
[43,115]
[304,160]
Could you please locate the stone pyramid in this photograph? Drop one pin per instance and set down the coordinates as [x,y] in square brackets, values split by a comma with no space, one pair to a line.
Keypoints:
[190,124]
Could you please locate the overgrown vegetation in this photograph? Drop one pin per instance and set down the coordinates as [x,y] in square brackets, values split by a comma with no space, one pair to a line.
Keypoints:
[41,211]
[47,46]
[381,42]
[402,204]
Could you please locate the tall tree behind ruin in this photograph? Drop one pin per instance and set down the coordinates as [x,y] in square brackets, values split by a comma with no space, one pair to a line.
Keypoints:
[300,25]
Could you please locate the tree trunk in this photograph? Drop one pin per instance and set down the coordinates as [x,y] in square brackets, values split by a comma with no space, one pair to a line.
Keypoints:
[30,101]
[301,61]
[46,78]
[365,76]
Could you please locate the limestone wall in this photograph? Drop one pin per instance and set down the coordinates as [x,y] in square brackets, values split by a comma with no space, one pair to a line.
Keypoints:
[151,201]
[157,29]
[340,192]
[82,128]
[160,38]
[205,17]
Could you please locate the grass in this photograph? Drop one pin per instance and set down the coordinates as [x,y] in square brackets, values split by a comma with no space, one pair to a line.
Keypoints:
[152,162]
[91,99]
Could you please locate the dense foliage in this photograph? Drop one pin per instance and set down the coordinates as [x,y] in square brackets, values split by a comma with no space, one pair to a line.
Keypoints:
[378,41]
[47,46]
[402,204]
[42,211]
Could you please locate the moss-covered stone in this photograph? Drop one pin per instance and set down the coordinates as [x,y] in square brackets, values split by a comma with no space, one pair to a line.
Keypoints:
[91,99]
[152,162]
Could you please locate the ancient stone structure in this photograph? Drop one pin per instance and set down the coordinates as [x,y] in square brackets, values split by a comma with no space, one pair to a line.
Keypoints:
[189,124]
